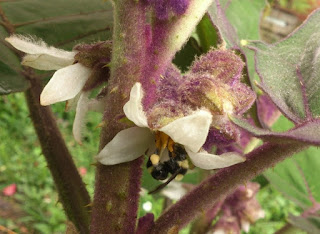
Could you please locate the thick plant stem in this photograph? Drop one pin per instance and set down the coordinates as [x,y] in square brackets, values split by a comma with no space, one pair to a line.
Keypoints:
[117,187]
[223,183]
[72,192]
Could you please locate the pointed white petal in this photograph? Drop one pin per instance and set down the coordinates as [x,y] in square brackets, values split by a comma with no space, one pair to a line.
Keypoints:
[133,109]
[208,161]
[42,53]
[65,84]
[190,131]
[71,104]
[46,62]
[126,146]
[83,106]
[79,120]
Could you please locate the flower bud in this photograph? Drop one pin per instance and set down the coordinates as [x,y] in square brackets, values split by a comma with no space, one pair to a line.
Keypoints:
[96,57]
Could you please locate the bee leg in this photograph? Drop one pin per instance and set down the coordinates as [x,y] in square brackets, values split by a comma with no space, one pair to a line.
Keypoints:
[161,186]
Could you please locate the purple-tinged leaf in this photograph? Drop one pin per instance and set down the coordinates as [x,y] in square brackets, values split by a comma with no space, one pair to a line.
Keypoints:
[307,132]
[236,21]
[268,113]
[220,20]
[290,71]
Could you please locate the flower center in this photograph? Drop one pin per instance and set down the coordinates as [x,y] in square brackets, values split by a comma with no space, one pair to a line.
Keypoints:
[169,157]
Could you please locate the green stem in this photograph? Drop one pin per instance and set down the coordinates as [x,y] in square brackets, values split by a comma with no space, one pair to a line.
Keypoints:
[72,192]
[117,187]
[223,183]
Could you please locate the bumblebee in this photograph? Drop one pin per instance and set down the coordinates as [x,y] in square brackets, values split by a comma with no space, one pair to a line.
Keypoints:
[177,165]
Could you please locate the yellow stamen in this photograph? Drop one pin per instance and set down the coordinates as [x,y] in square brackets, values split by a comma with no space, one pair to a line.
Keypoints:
[179,177]
[154,159]
[162,142]
[184,164]
[170,145]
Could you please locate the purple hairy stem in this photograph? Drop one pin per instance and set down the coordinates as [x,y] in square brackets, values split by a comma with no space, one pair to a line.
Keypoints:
[223,183]
[117,187]
[145,223]
[158,60]
[72,191]
[168,36]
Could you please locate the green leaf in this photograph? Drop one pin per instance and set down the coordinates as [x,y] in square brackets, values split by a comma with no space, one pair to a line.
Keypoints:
[239,20]
[208,35]
[59,23]
[298,178]
[290,70]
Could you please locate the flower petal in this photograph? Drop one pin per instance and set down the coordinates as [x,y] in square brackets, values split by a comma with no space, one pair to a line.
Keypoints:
[126,146]
[41,56]
[190,131]
[79,120]
[45,62]
[208,161]
[133,109]
[65,84]
[83,106]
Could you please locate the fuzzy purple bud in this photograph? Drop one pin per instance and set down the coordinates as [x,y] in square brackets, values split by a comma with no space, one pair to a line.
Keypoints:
[202,91]
[214,82]
[218,138]
[96,57]
[227,223]
[167,105]
[241,208]
[169,83]
[223,65]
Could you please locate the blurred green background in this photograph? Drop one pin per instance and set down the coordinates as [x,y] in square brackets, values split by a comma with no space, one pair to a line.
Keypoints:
[35,207]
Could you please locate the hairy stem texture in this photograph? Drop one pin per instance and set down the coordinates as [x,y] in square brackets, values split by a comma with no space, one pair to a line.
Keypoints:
[117,187]
[221,184]
[72,192]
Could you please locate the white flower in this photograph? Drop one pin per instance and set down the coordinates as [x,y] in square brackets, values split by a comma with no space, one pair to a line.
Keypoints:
[175,190]
[69,78]
[190,131]
[66,83]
